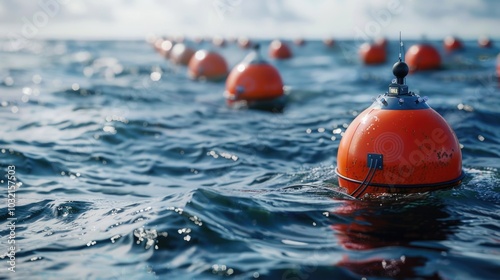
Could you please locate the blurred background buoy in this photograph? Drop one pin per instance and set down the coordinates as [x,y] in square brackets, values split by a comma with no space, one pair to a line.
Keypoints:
[372,53]
[299,42]
[254,83]
[244,42]
[498,65]
[279,50]
[398,145]
[423,57]
[382,41]
[165,48]
[181,54]
[219,42]
[452,43]
[329,42]
[484,42]
[207,65]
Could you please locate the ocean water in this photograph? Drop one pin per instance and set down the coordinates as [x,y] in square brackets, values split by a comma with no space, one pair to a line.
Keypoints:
[127,169]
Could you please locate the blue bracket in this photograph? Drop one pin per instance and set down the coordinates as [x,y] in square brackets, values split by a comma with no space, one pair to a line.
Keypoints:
[375,161]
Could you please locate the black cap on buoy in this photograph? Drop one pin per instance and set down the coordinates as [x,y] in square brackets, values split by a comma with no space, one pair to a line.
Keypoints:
[400,70]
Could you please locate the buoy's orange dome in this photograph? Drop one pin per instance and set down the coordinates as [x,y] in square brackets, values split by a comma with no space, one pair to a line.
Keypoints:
[181,54]
[372,54]
[484,42]
[423,57]
[279,50]
[452,43]
[207,65]
[253,80]
[398,145]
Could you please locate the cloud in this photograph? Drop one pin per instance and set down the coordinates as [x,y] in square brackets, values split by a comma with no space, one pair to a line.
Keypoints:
[255,18]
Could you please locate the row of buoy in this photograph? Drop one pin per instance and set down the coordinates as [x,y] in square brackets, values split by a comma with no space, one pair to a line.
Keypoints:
[419,57]
[397,145]
[252,83]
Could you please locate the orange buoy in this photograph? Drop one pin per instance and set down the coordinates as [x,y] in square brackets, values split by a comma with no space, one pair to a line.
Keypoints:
[279,50]
[299,42]
[181,54]
[381,41]
[165,48]
[498,65]
[207,65]
[423,57]
[219,42]
[329,42]
[244,43]
[372,53]
[484,42]
[398,145]
[157,44]
[198,40]
[254,81]
[452,43]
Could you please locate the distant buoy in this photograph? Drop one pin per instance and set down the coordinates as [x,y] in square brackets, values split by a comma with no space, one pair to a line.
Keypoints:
[219,42]
[279,50]
[484,42]
[181,54]
[382,41]
[498,66]
[207,65]
[452,43]
[299,42]
[398,145]
[372,53]
[244,43]
[423,57]
[198,40]
[157,44]
[165,48]
[254,81]
[329,42]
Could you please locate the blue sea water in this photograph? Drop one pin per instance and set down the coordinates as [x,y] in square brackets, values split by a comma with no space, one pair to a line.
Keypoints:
[127,169]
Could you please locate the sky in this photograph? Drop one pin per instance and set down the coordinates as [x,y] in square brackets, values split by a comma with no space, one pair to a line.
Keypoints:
[358,19]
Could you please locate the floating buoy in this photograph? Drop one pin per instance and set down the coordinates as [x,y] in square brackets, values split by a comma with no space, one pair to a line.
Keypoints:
[198,40]
[452,43]
[423,57]
[244,43]
[484,42]
[498,65]
[165,48]
[279,50]
[181,54]
[398,145]
[372,53]
[299,42]
[254,83]
[381,41]
[219,42]
[207,65]
[329,42]
[157,43]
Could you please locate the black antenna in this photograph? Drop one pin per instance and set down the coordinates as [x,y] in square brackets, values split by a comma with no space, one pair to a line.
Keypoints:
[401,48]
